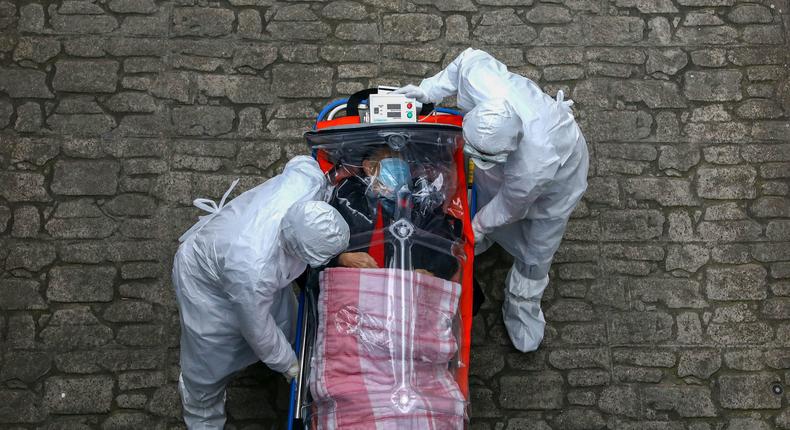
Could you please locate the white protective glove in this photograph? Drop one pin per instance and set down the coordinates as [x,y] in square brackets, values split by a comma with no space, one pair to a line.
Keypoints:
[413,92]
[482,243]
[292,372]
[477,231]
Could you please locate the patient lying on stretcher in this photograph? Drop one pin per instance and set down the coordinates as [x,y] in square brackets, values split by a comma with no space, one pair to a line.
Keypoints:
[366,341]
[367,196]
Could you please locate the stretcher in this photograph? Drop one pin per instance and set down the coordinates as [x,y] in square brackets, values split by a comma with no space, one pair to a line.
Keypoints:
[388,347]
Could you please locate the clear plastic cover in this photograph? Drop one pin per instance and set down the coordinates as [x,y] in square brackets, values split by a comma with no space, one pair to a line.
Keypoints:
[385,331]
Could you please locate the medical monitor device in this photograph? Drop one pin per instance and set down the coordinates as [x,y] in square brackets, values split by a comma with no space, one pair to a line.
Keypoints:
[388,108]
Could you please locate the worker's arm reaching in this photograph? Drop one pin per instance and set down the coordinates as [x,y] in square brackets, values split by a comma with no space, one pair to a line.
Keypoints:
[436,88]
[252,303]
[515,198]
[470,70]
[310,233]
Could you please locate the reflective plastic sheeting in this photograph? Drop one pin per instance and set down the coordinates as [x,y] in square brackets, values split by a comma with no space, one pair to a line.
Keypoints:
[383,350]
[386,328]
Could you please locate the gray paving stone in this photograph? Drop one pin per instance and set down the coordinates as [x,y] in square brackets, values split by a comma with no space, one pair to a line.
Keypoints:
[687,257]
[411,27]
[203,120]
[749,391]
[5,216]
[686,401]
[722,85]
[620,400]
[78,395]
[726,182]
[25,366]
[81,284]
[6,110]
[292,81]
[539,391]
[20,294]
[286,30]
[613,30]
[166,402]
[86,76]
[131,102]
[202,21]
[75,328]
[640,327]
[36,49]
[744,282]
[127,401]
[649,6]
[709,57]
[504,27]
[21,406]
[668,61]
[699,363]
[31,17]
[30,256]
[633,224]
[28,117]
[133,6]
[18,83]
[85,177]
[343,9]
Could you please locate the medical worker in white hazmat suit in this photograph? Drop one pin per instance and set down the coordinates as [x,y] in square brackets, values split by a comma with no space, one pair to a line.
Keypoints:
[531,170]
[232,276]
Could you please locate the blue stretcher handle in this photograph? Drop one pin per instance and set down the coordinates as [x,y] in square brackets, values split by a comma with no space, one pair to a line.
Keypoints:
[325,111]
[297,347]
[447,110]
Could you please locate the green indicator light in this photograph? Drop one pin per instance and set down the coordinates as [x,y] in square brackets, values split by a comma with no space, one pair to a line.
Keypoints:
[408,114]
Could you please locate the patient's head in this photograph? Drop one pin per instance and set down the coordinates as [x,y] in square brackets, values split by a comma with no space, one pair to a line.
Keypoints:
[388,173]
[371,160]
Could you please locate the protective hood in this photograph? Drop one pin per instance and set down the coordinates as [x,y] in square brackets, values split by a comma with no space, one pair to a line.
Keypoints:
[491,130]
[314,232]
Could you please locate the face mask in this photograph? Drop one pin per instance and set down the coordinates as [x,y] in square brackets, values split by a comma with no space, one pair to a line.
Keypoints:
[394,174]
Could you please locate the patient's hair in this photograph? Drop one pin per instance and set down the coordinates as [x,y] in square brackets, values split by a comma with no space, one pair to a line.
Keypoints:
[354,162]
[370,162]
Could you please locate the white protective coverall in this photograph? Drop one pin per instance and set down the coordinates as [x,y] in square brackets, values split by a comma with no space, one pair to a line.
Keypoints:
[525,200]
[232,276]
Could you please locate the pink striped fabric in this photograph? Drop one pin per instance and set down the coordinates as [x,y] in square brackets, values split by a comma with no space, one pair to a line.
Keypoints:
[383,351]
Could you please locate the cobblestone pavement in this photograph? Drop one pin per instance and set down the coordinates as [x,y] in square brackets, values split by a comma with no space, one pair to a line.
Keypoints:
[669,306]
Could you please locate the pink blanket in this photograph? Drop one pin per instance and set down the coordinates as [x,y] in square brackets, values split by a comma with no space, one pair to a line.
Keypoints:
[383,349]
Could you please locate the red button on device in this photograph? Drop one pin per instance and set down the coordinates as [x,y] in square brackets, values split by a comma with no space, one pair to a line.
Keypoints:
[408,105]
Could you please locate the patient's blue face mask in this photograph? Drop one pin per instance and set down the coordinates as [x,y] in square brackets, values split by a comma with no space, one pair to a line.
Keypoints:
[394,174]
